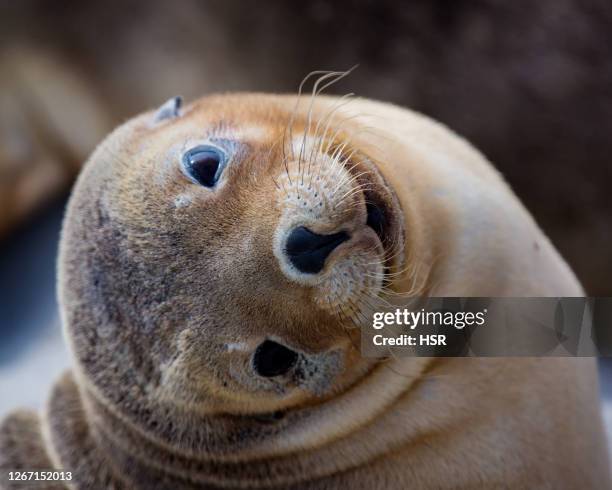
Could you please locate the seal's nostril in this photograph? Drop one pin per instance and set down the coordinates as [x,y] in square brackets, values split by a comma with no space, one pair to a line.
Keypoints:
[273,359]
[307,251]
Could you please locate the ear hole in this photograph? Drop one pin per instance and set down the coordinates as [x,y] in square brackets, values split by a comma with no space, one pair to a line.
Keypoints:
[169,109]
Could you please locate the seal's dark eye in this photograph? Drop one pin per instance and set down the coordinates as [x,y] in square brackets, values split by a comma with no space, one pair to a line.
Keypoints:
[204,164]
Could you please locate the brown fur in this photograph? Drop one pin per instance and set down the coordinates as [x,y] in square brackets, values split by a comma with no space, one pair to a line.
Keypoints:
[527,83]
[167,287]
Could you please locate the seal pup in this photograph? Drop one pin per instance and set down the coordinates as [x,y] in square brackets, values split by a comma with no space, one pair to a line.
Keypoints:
[216,265]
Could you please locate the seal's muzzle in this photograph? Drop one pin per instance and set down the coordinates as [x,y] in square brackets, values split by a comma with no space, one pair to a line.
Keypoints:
[307,250]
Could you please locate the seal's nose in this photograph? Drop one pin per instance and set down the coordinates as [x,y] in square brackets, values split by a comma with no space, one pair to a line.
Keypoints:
[273,359]
[307,251]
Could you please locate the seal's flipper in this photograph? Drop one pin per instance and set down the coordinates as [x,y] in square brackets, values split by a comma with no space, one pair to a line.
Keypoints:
[22,449]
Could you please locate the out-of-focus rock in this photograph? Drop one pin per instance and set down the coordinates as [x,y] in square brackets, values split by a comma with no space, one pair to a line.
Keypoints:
[49,122]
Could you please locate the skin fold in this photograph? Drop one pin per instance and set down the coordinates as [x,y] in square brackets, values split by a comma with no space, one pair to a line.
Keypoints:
[168,288]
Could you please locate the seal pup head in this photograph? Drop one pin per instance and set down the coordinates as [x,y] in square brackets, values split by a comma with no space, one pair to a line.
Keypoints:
[220,260]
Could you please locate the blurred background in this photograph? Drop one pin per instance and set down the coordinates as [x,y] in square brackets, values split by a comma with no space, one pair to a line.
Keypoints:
[528,83]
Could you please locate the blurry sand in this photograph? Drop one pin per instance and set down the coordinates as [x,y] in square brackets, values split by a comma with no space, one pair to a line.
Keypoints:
[26,381]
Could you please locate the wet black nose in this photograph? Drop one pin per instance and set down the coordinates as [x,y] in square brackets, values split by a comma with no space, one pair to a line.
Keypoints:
[273,359]
[307,251]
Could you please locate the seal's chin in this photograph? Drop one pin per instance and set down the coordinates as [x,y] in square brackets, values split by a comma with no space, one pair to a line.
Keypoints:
[379,219]
[383,211]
